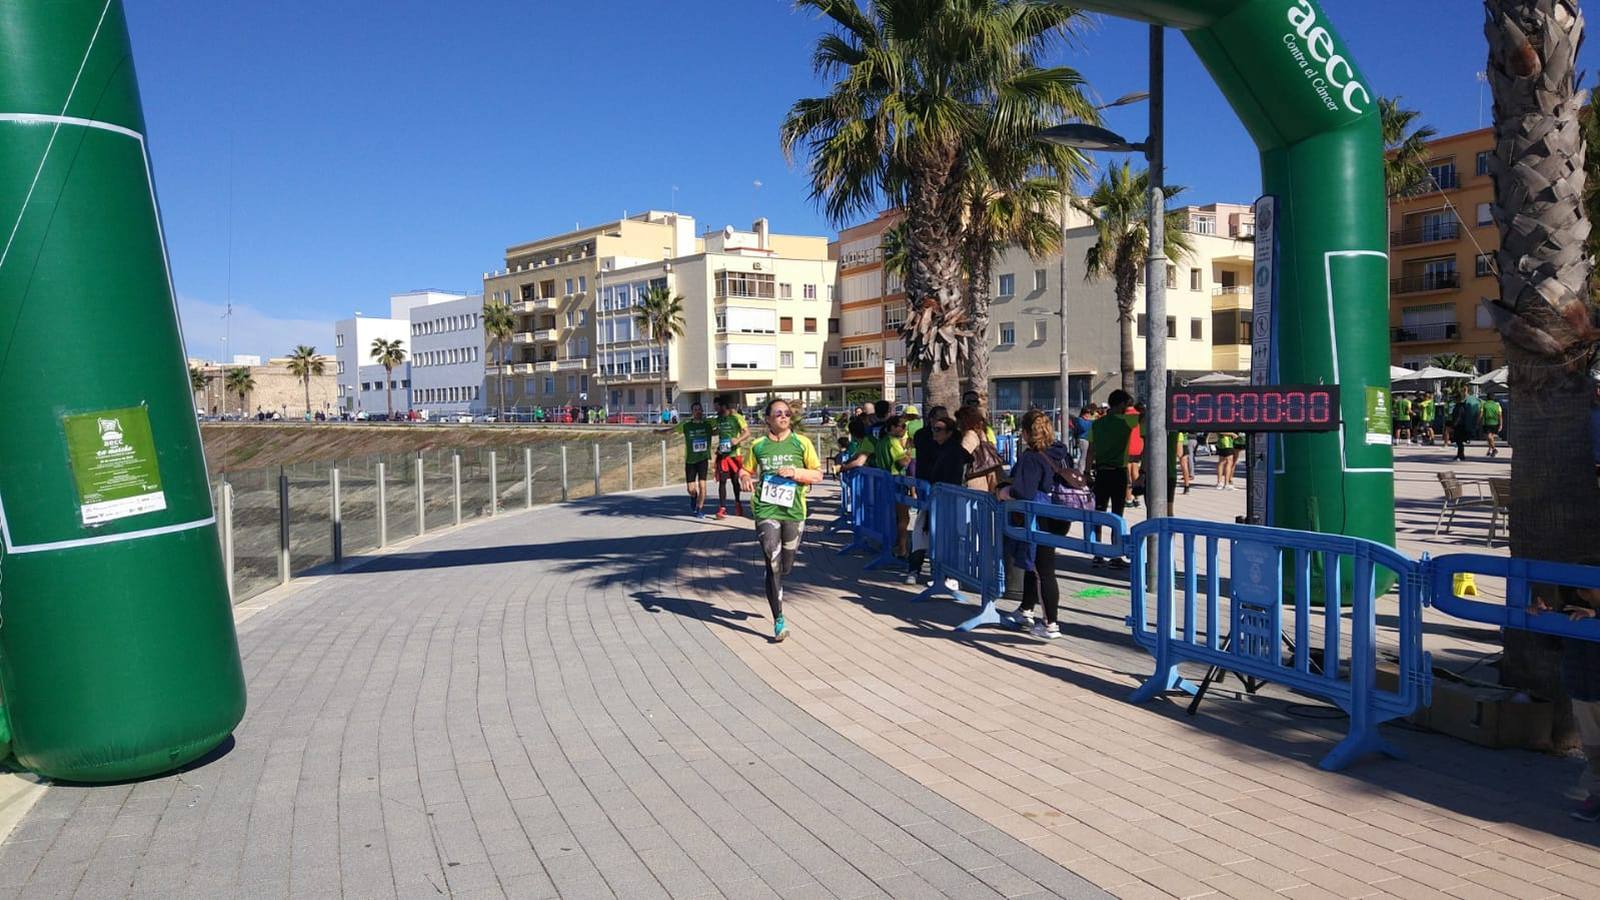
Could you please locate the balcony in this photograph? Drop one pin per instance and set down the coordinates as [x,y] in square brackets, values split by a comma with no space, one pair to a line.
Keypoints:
[1424,282]
[522,368]
[1435,331]
[1426,234]
[575,363]
[545,334]
[522,337]
[542,304]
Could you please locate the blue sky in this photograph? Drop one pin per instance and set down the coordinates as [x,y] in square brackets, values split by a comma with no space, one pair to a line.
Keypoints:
[349,149]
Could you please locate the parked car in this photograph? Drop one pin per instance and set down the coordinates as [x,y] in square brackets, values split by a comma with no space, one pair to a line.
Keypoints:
[819,417]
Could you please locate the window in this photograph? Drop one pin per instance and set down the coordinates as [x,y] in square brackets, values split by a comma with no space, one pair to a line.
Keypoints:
[785,291]
[894,315]
[1484,320]
[569,285]
[1485,214]
[1203,224]
[786,325]
[810,360]
[1441,176]
[830,293]
[1482,167]
[1483,265]
[811,325]
[1195,280]
[583,283]
[569,318]
[583,317]
[1197,329]
[1172,277]
[747,284]
[1485,365]
[811,292]
[1172,327]
[572,383]
[855,357]
[786,359]
[833,360]
[338,340]
[1038,279]
[1008,333]
[1008,286]
[833,326]
[1142,327]
[583,383]
[1039,330]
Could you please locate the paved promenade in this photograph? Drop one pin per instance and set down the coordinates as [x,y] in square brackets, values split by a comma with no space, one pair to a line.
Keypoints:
[583,701]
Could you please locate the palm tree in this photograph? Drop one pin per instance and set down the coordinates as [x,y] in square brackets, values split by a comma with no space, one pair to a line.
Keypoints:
[240,381]
[303,364]
[388,353]
[1455,362]
[499,324]
[911,81]
[1405,156]
[660,313]
[197,381]
[1544,313]
[1014,195]
[1119,208]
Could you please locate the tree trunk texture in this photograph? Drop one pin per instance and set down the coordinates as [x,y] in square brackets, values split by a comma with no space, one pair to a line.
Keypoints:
[935,312]
[1543,312]
[1127,283]
[500,380]
[980,265]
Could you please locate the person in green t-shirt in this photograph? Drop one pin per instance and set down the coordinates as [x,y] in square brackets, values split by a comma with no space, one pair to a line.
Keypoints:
[1491,423]
[1427,418]
[776,472]
[731,432]
[913,417]
[697,437]
[862,447]
[1107,461]
[1401,413]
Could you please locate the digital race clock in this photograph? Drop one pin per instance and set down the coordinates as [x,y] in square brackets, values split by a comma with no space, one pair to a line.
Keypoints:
[1279,407]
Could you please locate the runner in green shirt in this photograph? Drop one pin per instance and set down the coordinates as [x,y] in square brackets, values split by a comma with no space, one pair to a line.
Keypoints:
[776,472]
[1402,418]
[1427,418]
[697,436]
[731,432]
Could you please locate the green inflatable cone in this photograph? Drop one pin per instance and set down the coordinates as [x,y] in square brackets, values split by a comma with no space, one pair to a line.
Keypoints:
[1314,118]
[118,657]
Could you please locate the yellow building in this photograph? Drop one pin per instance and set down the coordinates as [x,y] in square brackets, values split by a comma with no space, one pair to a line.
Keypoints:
[1441,258]
[550,285]
[872,304]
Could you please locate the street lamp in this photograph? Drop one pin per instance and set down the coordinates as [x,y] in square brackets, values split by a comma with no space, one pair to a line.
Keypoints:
[1093,137]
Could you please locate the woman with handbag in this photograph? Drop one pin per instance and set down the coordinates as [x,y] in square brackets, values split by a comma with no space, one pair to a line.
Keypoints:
[1043,471]
[983,471]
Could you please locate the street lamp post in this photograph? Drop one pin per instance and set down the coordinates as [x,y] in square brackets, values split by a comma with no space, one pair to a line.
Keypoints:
[1093,137]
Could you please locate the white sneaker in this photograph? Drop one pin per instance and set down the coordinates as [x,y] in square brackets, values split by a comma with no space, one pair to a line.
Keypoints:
[1222,487]
[1019,620]
[1047,631]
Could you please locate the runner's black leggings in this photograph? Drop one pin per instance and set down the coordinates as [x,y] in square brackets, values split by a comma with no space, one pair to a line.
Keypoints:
[779,542]
[1042,580]
[1110,489]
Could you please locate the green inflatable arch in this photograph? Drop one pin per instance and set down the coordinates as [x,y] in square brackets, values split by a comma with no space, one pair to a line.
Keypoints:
[1314,118]
[118,657]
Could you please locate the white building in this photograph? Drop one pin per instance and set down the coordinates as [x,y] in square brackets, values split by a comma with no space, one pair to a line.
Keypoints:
[353,337]
[448,357]
[371,395]
[758,312]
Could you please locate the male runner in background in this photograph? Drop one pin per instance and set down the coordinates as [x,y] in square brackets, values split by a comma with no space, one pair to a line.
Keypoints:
[697,437]
[731,432]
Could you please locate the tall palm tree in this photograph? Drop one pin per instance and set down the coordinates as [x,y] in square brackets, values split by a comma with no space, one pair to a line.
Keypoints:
[388,353]
[660,313]
[1119,208]
[1544,313]
[911,79]
[1405,155]
[1013,195]
[240,381]
[303,364]
[1455,362]
[499,324]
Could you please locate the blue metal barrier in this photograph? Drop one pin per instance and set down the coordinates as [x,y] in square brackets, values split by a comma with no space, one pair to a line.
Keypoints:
[1029,532]
[1248,640]
[965,547]
[1522,576]
[847,501]
[872,515]
[913,493]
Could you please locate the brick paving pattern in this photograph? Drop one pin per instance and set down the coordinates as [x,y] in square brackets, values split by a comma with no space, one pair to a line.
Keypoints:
[534,706]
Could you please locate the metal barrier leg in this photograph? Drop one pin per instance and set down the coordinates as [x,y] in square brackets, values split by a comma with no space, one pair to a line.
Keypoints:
[988,615]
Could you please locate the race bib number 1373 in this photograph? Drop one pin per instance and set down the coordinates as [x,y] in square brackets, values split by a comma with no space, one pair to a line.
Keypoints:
[777,491]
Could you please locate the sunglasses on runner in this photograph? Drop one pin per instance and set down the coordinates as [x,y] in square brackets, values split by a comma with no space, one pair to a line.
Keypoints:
[780,414]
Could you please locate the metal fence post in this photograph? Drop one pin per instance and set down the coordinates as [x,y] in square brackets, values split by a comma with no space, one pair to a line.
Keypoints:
[455,482]
[494,484]
[563,473]
[527,477]
[383,510]
[227,535]
[630,465]
[336,518]
[597,470]
[422,498]
[283,527]
[663,463]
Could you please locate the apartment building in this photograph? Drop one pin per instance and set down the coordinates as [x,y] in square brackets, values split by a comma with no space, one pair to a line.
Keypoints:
[447,351]
[550,285]
[757,308]
[1208,313]
[1442,243]
[872,305]
[353,337]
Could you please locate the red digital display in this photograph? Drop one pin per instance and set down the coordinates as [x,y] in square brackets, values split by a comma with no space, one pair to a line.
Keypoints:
[1277,407]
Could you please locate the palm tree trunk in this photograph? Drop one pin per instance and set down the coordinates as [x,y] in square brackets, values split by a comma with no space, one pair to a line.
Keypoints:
[663,376]
[1125,319]
[980,265]
[934,251]
[307,382]
[1543,312]
[388,390]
